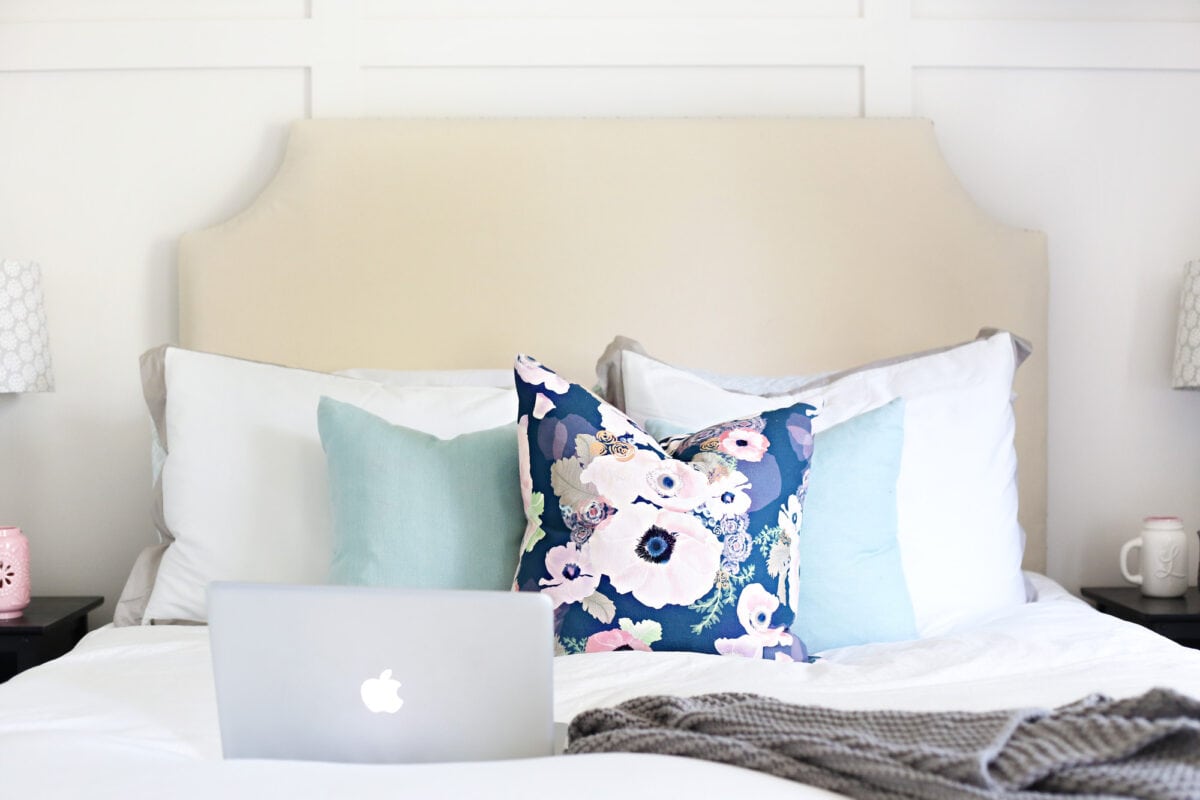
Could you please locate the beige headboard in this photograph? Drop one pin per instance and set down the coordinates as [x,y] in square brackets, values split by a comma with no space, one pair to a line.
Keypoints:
[754,246]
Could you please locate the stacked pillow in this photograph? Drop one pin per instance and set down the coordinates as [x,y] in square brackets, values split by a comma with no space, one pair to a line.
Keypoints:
[782,517]
[499,378]
[852,588]
[243,492]
[711,563]
[959,538]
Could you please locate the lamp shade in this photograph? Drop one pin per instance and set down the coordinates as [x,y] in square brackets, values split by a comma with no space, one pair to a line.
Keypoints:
[24,340]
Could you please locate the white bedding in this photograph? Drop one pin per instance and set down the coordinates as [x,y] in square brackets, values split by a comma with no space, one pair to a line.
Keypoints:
[130,711]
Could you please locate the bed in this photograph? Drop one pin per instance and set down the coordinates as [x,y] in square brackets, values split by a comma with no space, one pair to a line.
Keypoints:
[453,245]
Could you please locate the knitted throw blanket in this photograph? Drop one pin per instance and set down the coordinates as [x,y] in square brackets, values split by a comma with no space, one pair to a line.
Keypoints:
[1143,747]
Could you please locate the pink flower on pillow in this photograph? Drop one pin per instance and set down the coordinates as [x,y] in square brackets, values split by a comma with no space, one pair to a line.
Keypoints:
[661,557]
[667,483]
[531,371]
[571,575]
[533,520]
[615,639]
[542,406]
[745,646]
[744,444]
[755,608]
[676,486]
[620,482]
[616,422]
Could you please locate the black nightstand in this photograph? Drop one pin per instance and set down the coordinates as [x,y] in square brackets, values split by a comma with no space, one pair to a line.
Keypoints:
[49,628]
[1177,618]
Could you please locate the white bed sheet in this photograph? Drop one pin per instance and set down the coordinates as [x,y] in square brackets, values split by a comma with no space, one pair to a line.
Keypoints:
[131,713]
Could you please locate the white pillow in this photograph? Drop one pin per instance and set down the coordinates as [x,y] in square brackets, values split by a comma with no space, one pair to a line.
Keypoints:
[608,374]
[244,488]
[500,378]
[960,541]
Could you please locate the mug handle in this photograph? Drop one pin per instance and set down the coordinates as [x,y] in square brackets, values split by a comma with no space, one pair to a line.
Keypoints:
[1132,543]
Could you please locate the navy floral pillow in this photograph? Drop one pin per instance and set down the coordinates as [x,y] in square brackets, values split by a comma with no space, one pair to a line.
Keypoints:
[644,550]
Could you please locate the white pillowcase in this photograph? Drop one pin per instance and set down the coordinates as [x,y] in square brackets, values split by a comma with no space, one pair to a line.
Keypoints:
[244,488]
[960,541]
[608,374]
[499,378]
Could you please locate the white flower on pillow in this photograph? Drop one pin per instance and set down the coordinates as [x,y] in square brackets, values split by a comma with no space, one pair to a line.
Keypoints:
[531,371]
[756,606]
[571,575]
[661,557]
[667,483]
[790,515]
[728,496]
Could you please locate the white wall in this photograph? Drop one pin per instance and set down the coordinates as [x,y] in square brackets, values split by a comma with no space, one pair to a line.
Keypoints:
[124,123]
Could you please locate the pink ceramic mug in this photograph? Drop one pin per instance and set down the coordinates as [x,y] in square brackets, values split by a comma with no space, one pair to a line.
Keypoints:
[14,573]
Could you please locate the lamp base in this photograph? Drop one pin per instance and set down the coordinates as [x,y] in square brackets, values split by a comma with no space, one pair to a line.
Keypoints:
[12,614]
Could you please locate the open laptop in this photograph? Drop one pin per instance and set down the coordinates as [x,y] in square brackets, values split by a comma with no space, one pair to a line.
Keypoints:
[338,673]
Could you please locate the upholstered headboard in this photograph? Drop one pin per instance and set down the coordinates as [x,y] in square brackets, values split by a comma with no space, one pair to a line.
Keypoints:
[771,246]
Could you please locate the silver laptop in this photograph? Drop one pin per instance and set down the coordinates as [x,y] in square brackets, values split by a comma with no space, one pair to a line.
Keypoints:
[334,673]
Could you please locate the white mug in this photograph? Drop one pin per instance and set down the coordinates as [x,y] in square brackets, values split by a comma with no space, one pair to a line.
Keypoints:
[1163,546]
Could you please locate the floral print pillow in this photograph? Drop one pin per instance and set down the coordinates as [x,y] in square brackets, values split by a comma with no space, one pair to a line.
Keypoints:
[693,547]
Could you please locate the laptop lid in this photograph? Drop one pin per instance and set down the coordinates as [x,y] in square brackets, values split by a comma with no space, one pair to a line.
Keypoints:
[339,673]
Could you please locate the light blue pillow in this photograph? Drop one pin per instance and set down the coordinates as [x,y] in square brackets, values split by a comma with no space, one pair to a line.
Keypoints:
[414,511]
[852,588]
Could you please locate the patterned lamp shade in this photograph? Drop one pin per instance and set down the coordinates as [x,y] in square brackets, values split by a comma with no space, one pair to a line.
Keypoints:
[24,340]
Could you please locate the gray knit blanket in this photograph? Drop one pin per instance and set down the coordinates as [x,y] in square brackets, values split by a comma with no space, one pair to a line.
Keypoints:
[1143,747]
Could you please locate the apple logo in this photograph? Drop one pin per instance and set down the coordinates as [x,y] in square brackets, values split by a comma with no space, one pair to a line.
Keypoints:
[380,694]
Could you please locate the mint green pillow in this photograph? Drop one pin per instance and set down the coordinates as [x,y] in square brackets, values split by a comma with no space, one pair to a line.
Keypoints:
[415,511]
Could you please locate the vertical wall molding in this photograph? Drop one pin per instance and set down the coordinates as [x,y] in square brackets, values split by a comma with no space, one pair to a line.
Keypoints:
[887,71]
[335,72]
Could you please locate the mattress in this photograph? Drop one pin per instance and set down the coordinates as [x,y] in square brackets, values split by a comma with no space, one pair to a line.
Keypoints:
[131,711]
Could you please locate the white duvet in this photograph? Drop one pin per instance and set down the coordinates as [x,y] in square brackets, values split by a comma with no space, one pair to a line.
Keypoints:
[131,713]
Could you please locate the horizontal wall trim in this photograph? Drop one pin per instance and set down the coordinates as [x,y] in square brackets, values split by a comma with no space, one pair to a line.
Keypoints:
[1057,45]
[50,46]
[605,42]
[571,42]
